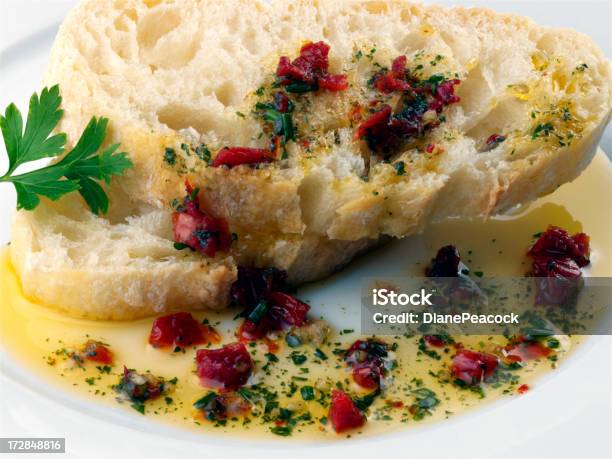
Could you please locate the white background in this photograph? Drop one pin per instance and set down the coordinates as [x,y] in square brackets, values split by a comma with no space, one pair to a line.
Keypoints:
[571,418]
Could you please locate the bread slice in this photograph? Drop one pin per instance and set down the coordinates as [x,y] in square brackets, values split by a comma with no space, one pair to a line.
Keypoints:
[171,74]
[87,267]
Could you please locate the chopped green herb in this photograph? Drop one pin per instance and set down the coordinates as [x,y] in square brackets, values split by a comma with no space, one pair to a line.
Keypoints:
[292,340]
[298,358]
[400,168]
[170,156]
[283,431]
[542,130]
[320,354]
[307,393]
[138,407]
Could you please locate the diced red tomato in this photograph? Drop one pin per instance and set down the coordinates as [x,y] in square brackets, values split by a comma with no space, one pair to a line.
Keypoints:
[343,413]
[228,367]
[236,156]
[473,367]
[97,352]
[180,329]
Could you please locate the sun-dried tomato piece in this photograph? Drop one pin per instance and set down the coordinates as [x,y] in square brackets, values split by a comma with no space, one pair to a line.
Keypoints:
[473,367]
[180,329]
[343,413]
[368,374]
[287,310]
[447,263]
[333,82]
[228,367]
[525,351]
[435,340]
[375,124]
[97,352]
[556,243]
[395,79]
[368,359]
[197,230]
[276,311]
[253,284]
[237,156]
[310,68]
[445,92]
[557,259]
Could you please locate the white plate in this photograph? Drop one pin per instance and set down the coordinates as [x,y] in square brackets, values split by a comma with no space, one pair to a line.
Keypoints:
[568,415]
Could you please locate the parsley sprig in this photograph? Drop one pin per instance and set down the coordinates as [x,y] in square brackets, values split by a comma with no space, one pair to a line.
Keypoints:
[79,170]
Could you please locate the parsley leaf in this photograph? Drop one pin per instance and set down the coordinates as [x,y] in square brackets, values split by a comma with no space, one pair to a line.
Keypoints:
[79,170]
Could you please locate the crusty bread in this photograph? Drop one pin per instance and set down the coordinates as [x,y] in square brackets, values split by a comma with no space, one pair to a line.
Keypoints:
[169,73]
[83,265]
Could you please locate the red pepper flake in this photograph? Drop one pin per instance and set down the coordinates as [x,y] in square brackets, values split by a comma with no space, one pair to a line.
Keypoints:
[237,156]
[228,367]
[97,352]
[343,413]
[430,148]
[197,230]
[272,346]
[311,69]
[522,388]
[180,329]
